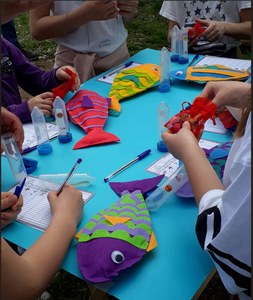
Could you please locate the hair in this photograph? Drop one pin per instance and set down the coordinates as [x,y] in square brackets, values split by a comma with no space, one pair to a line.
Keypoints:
[246,109]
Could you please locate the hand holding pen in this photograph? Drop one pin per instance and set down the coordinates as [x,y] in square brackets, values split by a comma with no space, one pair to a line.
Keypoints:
[11,206]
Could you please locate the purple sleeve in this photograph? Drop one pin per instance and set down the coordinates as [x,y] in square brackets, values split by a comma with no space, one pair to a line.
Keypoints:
[30,77]
[21,110]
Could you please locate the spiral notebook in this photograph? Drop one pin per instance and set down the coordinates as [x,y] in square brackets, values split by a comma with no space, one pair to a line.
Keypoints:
[36,210]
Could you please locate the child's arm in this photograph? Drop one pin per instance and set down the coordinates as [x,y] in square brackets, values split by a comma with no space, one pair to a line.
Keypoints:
[26,276]
[45,26]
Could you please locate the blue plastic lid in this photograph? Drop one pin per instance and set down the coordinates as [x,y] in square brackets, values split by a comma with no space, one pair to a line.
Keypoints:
[174,57]
[164,87]
[30,164]
[45,149]
[183,60]
[161,146]
[65,138]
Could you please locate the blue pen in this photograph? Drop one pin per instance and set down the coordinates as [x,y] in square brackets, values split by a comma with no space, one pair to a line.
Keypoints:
[138,157]
[121,67]
[29,149]
[193,60]
[19,188]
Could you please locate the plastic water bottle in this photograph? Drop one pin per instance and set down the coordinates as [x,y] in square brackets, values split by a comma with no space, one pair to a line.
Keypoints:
[163,113]
[174,42]
[43,141]
[183,47]
[164,85]
[61,118]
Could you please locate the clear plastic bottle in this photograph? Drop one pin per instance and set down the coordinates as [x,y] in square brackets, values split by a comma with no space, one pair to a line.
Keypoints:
[183,47]
[61,118]
[164,85]
[163,113]
[174,43]
[43,141]
[14,157]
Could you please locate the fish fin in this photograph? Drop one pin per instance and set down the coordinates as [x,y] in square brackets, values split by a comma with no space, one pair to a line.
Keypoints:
[114,108]
[87,102]
[116,220]
[96,136]
[152,242]
[144,185]
[78,234]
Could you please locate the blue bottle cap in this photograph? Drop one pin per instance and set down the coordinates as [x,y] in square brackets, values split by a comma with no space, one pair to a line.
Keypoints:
[65,138]
[174,57]
[45,149]
[161,146]
[164,87]
[30,164]
[183,60]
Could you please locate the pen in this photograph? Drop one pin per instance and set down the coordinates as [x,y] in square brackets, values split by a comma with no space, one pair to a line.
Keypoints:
[29,149]
[138,157]
[69,175]
[193,60]
[19,188]
[118,69]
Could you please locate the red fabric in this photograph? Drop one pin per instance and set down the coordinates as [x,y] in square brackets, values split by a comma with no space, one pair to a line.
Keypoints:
[227,119]
[196,31]
[62,89]
[196,113]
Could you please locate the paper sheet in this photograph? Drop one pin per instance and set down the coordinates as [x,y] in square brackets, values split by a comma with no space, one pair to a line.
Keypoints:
[109,79]
[168,165]
[36,209]
[218,128]
[239,64]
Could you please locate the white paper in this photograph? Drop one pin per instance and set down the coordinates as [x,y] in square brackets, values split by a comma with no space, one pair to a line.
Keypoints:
[218,128]
[110,78]
[168,164]
[36,209]
[239,64]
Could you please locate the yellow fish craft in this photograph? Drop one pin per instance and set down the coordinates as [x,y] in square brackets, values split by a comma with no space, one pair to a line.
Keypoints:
[203,74]
[130,82]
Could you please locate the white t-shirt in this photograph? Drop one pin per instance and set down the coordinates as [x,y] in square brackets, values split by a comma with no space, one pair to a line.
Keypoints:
[224,221]
[100,37]
[184,12]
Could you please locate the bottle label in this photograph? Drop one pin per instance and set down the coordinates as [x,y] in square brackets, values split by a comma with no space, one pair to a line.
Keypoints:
[59,115]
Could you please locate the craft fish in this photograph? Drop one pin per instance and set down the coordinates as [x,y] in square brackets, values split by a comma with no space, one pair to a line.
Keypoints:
[89,110]
[203,74]
[130,82]
[117,237]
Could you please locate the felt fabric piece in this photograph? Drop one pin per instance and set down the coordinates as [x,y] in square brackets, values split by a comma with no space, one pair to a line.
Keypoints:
[130,82]
[217,156]
[89,110]
[62,89]
[95,258]
[124,226]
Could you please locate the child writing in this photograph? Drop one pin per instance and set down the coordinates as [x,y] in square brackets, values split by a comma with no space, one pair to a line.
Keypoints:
[17,71]
[223,224]
[91,35]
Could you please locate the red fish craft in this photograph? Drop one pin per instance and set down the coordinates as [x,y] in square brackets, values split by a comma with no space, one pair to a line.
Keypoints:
[196,113]
[89,110]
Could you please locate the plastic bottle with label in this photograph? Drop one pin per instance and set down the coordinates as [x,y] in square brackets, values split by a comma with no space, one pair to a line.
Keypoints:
[183,47]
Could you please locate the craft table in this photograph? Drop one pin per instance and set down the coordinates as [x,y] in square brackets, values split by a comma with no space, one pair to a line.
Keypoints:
[178,266]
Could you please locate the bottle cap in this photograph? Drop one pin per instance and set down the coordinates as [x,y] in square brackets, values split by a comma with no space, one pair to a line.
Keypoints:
[45,149]
[65,138]
[161,146]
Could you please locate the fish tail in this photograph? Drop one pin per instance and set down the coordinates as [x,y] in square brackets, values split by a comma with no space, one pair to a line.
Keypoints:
[114,108]
[96,136]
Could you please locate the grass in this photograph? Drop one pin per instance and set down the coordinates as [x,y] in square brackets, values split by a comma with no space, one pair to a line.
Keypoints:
[147,30]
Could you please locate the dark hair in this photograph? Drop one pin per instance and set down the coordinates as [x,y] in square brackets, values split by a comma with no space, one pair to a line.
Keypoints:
[246,108]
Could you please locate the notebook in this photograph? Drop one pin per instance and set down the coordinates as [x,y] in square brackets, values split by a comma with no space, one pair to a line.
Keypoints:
[36,208]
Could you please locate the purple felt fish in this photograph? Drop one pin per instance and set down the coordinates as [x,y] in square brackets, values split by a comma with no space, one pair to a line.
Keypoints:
[117,237]
[89,110]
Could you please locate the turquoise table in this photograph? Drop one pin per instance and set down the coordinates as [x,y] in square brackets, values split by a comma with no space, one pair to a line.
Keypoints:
[178,266]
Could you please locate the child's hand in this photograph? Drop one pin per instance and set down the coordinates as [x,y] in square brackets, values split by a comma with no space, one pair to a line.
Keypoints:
[182,142]
[215,29]
[10,208]
[62,75]
[68,205]
[43,101]
[100,10]
[127,9]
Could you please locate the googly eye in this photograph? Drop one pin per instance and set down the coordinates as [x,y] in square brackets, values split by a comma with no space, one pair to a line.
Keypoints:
[179,73]
[117,257]
[154,68]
